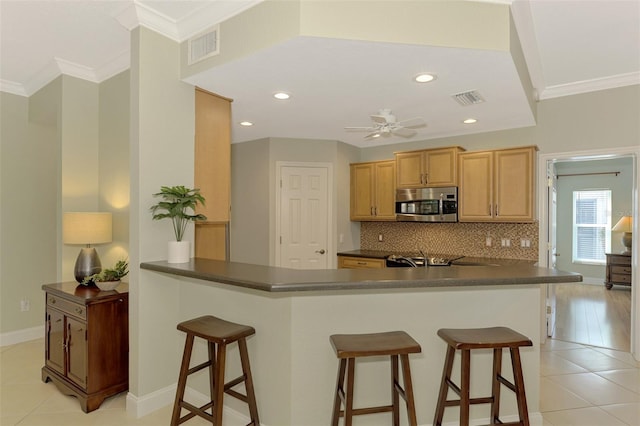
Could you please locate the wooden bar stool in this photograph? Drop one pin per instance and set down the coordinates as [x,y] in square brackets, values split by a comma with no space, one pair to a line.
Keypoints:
[348,347]
[495,338]
[219,333]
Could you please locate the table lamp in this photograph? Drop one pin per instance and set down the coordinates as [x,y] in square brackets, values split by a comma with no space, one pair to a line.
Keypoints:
[624,225]
[86,228]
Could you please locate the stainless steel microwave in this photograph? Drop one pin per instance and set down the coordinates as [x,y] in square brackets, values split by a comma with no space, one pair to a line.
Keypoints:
[427,204]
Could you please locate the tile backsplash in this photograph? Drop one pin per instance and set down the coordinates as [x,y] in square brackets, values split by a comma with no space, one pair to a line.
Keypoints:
[467,239]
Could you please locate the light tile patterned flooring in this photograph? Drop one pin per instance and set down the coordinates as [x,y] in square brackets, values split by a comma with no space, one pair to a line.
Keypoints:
[580,385]
[588,386]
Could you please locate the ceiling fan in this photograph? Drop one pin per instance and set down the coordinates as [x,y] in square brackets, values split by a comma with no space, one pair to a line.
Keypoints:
[385,124]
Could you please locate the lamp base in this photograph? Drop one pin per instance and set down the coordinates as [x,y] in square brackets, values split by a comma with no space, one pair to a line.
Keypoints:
[626,242]
[87,264]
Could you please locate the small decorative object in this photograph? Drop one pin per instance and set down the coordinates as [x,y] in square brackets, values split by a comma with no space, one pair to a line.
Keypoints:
[625,224]
[109,278]
[86,228]
[175,205]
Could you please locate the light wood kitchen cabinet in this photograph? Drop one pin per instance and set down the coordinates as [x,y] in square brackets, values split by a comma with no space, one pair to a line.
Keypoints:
[87,341]
[353,262]
[373,191]
[427,168]
[497,186]
[212,173]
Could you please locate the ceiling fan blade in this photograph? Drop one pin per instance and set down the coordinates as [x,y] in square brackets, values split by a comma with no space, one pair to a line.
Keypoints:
[372,135]
[412,122]
[403,131]
[360,129]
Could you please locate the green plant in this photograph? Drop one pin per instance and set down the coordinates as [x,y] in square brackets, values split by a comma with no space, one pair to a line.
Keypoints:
[176,201]
[120,270]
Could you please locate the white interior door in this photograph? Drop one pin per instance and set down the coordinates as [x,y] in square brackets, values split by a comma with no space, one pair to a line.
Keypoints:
[304,217]
[551,252]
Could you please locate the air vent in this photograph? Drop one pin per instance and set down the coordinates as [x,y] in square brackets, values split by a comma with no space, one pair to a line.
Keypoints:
[471,97]
[204,46]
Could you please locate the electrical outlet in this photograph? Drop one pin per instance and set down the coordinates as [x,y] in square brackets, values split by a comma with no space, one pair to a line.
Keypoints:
[25,305]
[341,238]
[525,242]
[380,238]
[488,242]
[506,242]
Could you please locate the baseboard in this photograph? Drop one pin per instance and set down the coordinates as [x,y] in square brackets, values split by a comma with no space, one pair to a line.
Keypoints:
[593,281]
[19,336]
[141,406]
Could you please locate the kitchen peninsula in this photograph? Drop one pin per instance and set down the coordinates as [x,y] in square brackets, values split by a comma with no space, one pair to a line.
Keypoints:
[295,311]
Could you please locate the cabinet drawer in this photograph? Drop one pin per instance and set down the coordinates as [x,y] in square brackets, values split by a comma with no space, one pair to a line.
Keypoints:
[66,306]
[616,269]
[621,278]
[613,259]
[360,263]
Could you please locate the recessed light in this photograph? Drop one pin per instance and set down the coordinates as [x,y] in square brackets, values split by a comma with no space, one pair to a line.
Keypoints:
[424,78]
[246,123]
[470,121]
[281,95]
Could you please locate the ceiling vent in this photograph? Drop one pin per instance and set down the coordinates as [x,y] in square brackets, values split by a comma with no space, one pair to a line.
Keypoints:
[204,45]
[471,97]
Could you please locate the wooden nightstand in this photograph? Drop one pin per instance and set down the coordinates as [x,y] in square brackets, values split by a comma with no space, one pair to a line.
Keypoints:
[618,270]
[87,341]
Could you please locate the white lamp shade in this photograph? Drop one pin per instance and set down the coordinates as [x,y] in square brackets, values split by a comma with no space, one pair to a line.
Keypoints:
[86,228]
[623,225]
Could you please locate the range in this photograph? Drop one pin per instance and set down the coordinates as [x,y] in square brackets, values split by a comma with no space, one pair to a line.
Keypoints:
[395,261]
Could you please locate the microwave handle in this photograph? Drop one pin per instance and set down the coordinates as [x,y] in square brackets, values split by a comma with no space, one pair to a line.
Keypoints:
[441,206]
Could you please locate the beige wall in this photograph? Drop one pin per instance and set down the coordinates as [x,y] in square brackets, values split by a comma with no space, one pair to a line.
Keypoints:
[29,176]
[254,186]
[162,145]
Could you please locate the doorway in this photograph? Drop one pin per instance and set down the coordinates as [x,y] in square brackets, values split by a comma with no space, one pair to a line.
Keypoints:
[548,229]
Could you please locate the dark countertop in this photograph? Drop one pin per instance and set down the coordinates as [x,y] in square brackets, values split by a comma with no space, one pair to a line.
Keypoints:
[278,280]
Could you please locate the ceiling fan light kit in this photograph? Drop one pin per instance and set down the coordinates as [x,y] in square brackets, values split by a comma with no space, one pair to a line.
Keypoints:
[385,124]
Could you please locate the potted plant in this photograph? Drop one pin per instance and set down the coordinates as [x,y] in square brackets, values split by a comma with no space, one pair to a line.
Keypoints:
[178,204]
[109,278]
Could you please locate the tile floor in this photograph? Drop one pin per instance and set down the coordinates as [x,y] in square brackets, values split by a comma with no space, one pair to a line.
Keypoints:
[588,386]
[580,385]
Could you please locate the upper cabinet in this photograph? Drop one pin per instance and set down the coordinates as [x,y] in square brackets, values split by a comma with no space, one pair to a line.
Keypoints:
[427,168]
[373,191]
[497,186]
[212,172]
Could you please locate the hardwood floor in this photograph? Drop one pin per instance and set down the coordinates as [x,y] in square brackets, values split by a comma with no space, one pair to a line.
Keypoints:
[592,315]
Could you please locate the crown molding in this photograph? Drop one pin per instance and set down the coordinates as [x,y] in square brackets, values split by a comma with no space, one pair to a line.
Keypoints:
[579,87]
[12,87]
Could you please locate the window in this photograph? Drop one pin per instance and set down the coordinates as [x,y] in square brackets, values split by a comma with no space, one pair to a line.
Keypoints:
[591,226]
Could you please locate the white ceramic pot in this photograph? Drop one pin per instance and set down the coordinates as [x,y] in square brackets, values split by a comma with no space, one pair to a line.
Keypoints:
[179,252]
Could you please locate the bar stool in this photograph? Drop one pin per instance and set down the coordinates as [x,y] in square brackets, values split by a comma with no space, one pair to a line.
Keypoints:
[495,338]
[218,333]
[348,347]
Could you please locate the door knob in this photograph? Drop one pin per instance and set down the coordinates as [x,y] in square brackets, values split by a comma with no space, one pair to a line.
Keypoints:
[320,251]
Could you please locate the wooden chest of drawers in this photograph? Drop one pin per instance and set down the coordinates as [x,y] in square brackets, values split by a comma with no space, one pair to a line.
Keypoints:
[618,270]
[87,341]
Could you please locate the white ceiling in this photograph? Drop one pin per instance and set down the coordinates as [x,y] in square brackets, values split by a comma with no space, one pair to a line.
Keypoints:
[570,47]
